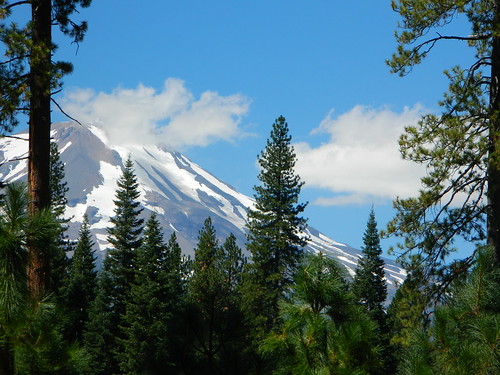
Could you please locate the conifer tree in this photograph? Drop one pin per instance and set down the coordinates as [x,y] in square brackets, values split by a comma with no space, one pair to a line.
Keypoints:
[275,238]
[31,340]
[213,317]
[58,186]
[460,147]
[322,330]
[463,336]
[82,284]
[28,77]
[407,312]
[125,237]
[233,263]
[99,335]
[118,274]
[58,260]
[369,284]
[154,299]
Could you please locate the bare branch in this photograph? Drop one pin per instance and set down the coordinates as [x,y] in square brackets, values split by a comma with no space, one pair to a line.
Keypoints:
[433,41]
[14,59]
[14,137]
[64,113]
[7,7]
[15,159]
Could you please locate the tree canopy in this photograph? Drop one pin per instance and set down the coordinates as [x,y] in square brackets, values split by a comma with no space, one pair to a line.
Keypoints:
[460,196]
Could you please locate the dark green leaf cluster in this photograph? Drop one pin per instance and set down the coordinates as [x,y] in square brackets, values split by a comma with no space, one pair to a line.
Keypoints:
[82,283]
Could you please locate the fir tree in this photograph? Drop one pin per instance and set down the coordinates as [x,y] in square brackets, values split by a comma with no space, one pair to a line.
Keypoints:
[58,186]
[369,284]
[82,285]
[154,299]
[407,312]
[99,335]
[233,263]
[214,320]
[118,274]
[58,261]
[275,238]
[125,237]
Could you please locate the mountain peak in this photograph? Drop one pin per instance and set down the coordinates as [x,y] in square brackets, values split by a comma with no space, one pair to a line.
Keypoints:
[179,191]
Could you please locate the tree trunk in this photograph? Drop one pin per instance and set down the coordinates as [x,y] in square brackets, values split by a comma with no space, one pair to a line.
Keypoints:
[39,133]
[6,358]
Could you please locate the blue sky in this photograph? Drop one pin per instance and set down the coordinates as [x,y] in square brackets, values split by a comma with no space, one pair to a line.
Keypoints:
[210,77]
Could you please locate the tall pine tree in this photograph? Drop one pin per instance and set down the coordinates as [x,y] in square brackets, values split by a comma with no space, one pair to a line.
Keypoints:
[28,77]
[214,318]
[152,304]
[275,238]
[104,336]
[369,285]
[82,284]
[460,147]
[58,261]
[125,237]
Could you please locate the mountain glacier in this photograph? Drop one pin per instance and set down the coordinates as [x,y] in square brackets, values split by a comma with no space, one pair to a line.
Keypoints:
[180,192]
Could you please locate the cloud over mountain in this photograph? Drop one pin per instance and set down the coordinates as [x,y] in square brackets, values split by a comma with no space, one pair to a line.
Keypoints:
[172,115]
[360,161]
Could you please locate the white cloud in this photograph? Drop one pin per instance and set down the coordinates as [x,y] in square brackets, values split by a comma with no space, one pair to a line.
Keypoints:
[360,163]
[172,116]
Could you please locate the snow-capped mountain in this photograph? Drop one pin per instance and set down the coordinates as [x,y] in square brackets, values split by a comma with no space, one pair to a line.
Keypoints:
[179,191]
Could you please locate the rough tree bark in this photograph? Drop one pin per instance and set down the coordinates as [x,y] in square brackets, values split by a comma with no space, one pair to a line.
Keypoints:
[39,133]
[494,135]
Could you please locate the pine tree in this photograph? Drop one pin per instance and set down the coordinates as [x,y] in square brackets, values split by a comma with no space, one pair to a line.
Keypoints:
[369,284]
[58,261]
[28,77]
[99,335]
[152,304]
[58,186]
[233,263]
[460,195]
[322,330]
[464,333]
[275,238]
[82,284]
[118,274]
[124,236]
[407,312]
[214,319]
[31,340]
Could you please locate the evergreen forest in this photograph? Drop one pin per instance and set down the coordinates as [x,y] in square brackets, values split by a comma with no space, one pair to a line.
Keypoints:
[270,307]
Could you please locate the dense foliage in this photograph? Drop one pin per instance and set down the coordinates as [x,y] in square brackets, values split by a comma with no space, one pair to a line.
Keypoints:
[460,197]
[275,238]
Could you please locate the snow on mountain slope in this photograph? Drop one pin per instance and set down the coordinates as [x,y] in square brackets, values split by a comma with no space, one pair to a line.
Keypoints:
[182,193]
